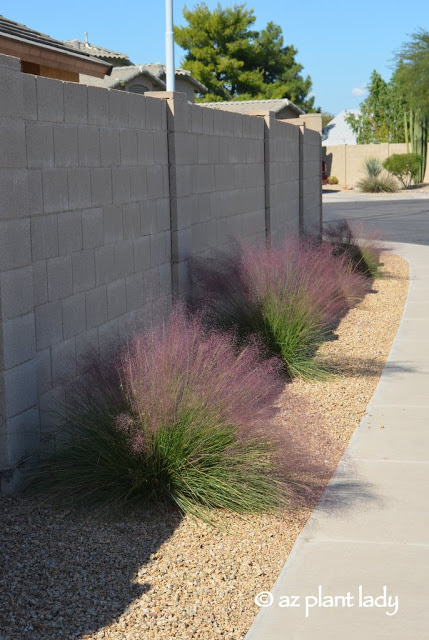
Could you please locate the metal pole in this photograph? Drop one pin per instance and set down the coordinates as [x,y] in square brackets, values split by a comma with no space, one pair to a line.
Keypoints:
[169,45]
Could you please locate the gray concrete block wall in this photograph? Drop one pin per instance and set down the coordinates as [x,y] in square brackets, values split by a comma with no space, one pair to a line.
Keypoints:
[217,181]
[84,239]
[104,195]
[312,180]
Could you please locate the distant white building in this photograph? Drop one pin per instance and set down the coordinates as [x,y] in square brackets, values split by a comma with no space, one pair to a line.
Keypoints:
[338,131]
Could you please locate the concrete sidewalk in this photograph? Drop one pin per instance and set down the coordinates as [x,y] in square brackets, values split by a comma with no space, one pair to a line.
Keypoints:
[367,542]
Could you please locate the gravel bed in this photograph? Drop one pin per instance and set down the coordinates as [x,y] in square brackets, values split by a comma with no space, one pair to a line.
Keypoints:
[158,576]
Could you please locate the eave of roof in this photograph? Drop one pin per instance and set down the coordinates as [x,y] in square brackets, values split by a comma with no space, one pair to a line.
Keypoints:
[20,41]
[276,105]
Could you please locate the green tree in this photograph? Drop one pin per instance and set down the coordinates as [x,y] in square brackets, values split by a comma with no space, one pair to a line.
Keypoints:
[412,76]
[381,117]
[234,61]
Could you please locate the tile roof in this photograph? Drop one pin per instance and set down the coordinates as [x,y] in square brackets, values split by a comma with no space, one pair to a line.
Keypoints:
[98,52]
[250,106]
[338,131]
[20,32]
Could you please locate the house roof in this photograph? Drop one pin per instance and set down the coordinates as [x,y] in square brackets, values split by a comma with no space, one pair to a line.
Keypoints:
[338,131]
[19,40]
[251,106]
[121,75]
[156,72]
[98,52]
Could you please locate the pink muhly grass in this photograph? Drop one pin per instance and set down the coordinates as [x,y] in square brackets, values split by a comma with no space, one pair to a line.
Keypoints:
[180,367]
[357,244]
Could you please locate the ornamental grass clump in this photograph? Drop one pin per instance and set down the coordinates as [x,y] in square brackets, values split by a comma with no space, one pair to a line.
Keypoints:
[288,297]
[361,248]
[375,180]
[179,417]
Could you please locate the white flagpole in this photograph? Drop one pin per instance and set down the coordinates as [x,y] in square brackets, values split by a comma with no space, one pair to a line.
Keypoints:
[169,45]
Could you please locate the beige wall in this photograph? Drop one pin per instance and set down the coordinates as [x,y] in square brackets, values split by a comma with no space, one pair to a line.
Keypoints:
[345,161]
[104,197]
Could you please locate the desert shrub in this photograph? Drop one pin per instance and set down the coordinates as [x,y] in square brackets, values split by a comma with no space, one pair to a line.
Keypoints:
[332,180]
[375,181]
[363,253]
[288,297]
[178,417]
[404,166]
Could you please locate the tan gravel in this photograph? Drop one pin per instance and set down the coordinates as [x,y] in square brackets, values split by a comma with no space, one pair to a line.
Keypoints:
[69,574]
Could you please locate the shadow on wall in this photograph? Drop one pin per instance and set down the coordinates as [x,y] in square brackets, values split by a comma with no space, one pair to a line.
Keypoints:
[327,157]
[68,573]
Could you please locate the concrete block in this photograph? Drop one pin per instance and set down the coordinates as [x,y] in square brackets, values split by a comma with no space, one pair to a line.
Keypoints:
[74,315]
[22,439]
[151,283]
[128,147]
[34,192]
[13,193]
[96,307]
[69,232]
[121,185]
[93,230]
[15,248]
[40,283]
[55,190]
[60,282]
[154,108]
[75,103]
[208,120]
[112,216]
[105,266]
[131,220]
[108,337]
[155,186]
[51,409]
[136,111]
[142,253]
[101,186]
[145,147]
[40,144]
[160,147]
[43,371]
[138,185]
[19,340]
[83,264]
[118,103]
[184,181]
[204,178]
[86,345]
[124,258]
[12,143]
[44,237]
[49,324]
[79,184]
[110,147]
[148,215]
[186,148]
[11,104]
[63,356]
[16,288]
[163,214]
[165,280]
[116,299]
[158,248]
[197,119]
[98,106]
[20,388]
[50,99]
[89,146]
[135,291]
[65,145]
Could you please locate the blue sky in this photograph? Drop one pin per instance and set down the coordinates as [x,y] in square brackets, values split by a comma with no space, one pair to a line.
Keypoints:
[338,44]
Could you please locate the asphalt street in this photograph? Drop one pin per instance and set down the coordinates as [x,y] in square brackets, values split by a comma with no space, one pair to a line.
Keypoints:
[393,220]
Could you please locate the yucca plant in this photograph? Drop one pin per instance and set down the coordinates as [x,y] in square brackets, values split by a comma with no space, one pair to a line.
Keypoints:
[375,180]
[179,417]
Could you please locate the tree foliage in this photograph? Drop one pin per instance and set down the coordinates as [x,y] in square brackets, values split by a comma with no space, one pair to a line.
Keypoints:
[234,61]
[381,117]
